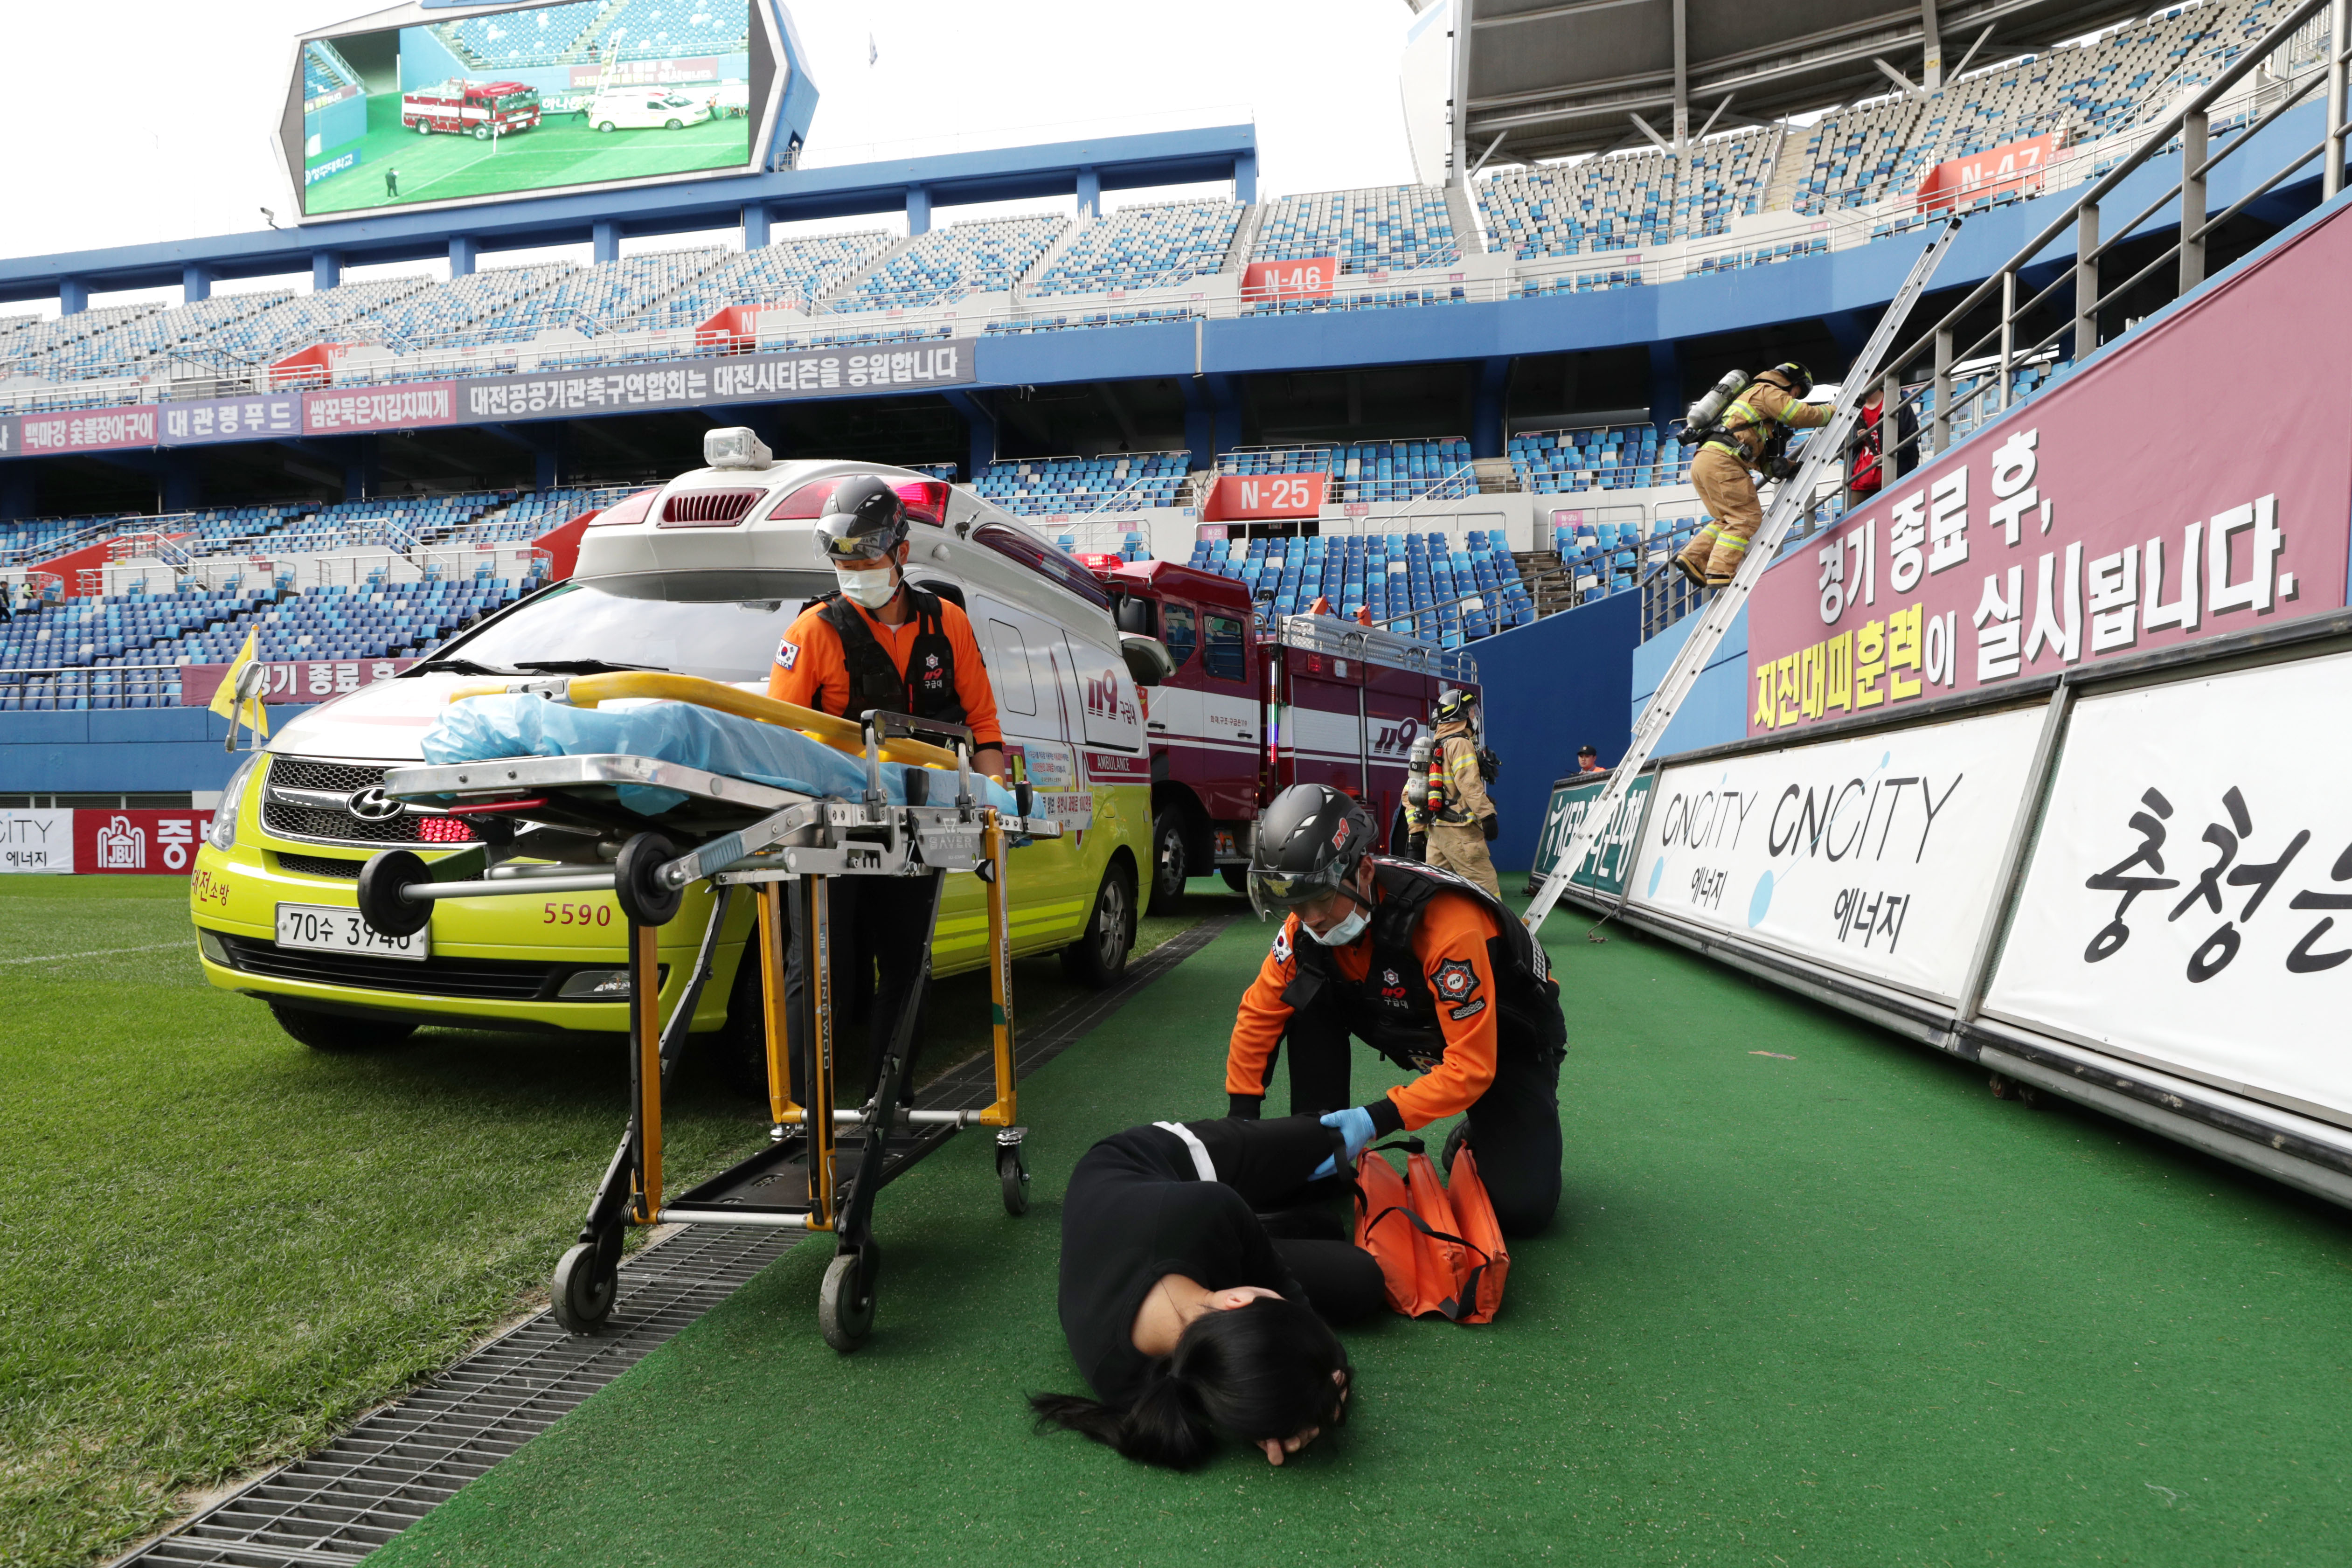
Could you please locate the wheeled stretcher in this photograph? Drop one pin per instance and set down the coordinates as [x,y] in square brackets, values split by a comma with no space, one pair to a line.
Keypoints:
[571,824]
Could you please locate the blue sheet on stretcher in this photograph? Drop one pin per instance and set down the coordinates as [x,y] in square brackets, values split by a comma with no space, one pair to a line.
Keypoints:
[519,724]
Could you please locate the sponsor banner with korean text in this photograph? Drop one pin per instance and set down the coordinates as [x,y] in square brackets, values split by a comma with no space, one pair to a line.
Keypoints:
[85,430]
[2189,902]
[36,841]
[1875,855]
[1605,860]
[308,680]
[2134,504]
[148,843]
[767,378]
[359,408]
[231,419]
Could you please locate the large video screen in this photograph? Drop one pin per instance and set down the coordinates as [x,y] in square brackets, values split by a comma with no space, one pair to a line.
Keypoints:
[527,99]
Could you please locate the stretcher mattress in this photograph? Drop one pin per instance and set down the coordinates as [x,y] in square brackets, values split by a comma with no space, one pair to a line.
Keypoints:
[520,724]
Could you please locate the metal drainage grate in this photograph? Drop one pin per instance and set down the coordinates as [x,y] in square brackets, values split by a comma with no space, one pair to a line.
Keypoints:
[402,1462]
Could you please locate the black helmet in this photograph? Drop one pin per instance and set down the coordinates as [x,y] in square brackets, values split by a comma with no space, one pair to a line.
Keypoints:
[1309,841]
[1799,379]
[1456,704]
[862,519]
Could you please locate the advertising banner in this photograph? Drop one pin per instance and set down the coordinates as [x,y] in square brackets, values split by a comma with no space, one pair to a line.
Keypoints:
[2078,528]
[1605,860]
[88,430]
[1308,280]
[1875,855]
[232,419]
[1238,497]
[768,378]
[404,407]
[36,841]
[309,681]
[2189,902]
[137,842]
[1997,171]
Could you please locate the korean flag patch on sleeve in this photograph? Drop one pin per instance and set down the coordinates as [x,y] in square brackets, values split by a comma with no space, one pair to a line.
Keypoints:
[1282,943]
[788,653]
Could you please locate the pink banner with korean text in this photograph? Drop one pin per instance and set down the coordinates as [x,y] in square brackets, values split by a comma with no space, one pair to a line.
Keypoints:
[2195,482]
[305,681]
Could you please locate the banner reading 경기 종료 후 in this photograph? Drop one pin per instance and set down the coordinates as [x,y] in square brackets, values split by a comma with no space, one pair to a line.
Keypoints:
[2136,504]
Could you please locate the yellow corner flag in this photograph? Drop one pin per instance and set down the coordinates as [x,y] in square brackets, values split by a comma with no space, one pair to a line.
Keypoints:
[245,707]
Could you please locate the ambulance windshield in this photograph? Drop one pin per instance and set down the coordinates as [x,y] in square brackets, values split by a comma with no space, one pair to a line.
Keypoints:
[722,626]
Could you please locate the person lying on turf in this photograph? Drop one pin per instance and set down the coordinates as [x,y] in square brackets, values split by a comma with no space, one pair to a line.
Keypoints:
[1184,1316]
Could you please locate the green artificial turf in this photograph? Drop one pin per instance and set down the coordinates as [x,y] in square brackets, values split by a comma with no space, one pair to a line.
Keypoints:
[1832,1304]
[225,1245]
[562,150]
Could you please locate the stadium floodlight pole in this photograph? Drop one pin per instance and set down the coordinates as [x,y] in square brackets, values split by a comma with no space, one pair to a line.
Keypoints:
[1793,500]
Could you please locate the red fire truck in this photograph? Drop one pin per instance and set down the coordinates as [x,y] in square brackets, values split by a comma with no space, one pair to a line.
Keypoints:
[1255,707]
[480,109]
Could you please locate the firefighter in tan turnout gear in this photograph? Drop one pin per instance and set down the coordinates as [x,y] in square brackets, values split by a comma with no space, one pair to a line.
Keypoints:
[1445,804]
[1752,431]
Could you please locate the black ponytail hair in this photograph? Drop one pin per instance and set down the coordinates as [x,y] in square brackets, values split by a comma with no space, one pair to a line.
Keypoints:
[1256,1372]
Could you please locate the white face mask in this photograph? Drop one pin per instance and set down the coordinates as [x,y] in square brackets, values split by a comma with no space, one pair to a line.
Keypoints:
[871,589]
[1346,932]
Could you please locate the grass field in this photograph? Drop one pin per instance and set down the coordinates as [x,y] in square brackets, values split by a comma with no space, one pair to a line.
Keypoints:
[227,1244]
[1832,1304]
[559,151]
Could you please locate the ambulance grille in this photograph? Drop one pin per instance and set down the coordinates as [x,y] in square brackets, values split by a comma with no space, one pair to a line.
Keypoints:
[708,509]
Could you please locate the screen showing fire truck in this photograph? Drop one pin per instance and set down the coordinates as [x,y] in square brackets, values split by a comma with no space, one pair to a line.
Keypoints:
[525,101]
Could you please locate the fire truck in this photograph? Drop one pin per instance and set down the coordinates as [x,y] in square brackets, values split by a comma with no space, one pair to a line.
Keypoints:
[480,108]
[1256,704]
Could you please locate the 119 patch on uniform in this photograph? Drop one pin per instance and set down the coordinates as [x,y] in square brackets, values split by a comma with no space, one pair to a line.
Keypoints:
[1456,985]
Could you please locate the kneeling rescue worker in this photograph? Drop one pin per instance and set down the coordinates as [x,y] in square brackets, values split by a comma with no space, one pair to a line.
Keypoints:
[880,642]
[1426,968]
[1752,432]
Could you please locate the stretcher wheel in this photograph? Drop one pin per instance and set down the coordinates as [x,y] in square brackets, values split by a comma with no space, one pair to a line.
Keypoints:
[1014,1175]
[586,1281]
[844,1303]
[387,871]
[645,898]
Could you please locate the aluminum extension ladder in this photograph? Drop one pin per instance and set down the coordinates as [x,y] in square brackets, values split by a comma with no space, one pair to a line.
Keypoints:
[1794,499]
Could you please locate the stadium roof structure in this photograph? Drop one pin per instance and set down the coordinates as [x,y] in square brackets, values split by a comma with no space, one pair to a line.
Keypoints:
[1548,79]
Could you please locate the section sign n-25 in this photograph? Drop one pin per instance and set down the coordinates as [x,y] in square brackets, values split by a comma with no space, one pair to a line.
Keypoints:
[1241,497]
[2134,505]
[1875,855]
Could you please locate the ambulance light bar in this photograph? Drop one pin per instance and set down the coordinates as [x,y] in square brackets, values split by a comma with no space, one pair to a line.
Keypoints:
[735,447]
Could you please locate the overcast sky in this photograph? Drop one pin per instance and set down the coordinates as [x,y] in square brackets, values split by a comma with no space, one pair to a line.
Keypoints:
[166,136]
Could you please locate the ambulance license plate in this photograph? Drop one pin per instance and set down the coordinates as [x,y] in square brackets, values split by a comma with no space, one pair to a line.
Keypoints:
[325,928]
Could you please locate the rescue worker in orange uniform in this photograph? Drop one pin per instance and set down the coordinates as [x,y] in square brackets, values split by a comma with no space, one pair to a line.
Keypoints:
[879,642]
[1426,969]
[1752,435]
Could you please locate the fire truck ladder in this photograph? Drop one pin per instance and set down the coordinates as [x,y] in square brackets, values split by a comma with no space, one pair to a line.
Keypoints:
[1793,500]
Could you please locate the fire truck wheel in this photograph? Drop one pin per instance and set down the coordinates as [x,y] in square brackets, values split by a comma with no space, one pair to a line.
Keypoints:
[1098,958]
[481,133]
[424,128]
[1168,869]
[1236,878]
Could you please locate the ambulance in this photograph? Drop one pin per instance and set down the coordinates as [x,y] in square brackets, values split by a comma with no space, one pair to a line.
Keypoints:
[700,577]
[1257,703]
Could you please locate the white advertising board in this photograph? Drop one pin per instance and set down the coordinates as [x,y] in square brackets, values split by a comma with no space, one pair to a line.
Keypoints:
[1875,855]
[2189,901]
[36,841]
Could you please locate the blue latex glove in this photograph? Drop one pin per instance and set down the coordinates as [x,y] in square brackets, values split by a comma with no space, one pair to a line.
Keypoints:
[1355,1125]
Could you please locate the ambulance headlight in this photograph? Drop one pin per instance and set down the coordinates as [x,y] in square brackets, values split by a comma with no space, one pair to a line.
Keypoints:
[222,834]
[735,447]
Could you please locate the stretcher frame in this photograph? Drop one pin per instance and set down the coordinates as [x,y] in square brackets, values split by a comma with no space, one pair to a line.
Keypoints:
[548,825]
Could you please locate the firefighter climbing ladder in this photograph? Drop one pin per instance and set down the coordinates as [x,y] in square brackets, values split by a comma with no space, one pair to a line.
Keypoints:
[1793,500]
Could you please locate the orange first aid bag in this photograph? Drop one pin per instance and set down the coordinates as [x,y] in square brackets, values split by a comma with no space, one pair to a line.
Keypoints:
[1440,1250]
